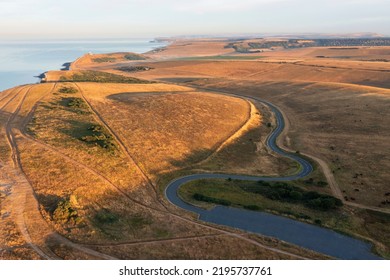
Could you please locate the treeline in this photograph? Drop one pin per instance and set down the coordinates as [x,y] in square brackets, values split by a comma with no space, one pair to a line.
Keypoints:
[285,192]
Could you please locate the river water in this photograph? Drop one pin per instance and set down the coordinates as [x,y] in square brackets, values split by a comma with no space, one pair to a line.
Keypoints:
[22,61]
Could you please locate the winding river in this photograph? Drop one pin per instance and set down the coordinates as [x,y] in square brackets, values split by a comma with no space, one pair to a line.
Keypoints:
[309,236]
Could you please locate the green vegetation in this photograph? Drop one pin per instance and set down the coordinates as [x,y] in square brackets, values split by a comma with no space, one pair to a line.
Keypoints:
[134,68]
[102,77]
[240,48]
[104,59]
[105,217]
[67,90]
[134,56]
[97,135]
[137,221]
[286,192]
[65,213]
[90,133]
[312,182]
[201,197]
[237,191]
[75,104]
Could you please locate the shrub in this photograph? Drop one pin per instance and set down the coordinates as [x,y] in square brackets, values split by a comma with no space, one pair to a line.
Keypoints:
[283,191]
[201,197]
[134,56]
[322,183]
[65,212]
[67,90]
[134,68]
[252,207]
[98,136]
[76,103]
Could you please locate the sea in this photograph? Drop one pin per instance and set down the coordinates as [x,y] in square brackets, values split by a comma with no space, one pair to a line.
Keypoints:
[21,62]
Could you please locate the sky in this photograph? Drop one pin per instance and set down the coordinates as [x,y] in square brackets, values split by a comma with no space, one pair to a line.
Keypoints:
[66,19]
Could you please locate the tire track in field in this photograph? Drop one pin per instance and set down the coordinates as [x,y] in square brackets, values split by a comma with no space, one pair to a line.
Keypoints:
[25,192]
[123,147]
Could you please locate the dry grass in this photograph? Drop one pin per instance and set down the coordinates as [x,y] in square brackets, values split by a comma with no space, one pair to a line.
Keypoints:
[214,247]
[247,154]
[330,118]
[96,196]
[62,127]
[186,48]
[90,60]
[166,131]
[12,244]
[337,123]
[103,214]
[106,192]
[309,71]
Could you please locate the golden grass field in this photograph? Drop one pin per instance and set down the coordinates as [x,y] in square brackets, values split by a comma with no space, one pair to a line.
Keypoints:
[94,158]
[105,197]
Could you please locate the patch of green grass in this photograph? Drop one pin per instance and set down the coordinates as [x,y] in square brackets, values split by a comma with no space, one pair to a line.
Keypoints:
[134,68]
[105,217]
[134,56]
[138,221]
[162,233]
[103,77]
[104,59]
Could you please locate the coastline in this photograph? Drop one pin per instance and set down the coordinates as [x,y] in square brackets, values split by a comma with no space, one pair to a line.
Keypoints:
[48,57]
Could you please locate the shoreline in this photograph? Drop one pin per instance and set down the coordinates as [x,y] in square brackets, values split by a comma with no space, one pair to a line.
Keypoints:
[23,77]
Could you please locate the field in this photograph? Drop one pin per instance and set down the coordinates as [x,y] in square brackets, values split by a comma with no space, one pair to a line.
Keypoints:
[92,186]
[86,156]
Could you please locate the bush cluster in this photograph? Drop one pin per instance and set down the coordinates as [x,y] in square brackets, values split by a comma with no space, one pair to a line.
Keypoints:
[98,136]
[66,213]
[104,59]
[201,197]
[283,191]
[134,56]
[67,90]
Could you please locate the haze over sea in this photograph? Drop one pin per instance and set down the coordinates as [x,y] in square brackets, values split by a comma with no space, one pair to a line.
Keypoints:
[22,61]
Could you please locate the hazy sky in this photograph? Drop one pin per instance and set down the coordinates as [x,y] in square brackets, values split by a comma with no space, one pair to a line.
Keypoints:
[25,19]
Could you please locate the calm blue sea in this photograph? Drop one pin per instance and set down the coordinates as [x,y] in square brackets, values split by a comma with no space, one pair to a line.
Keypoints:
[21,62]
